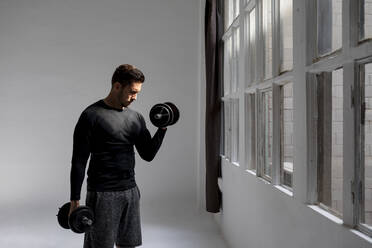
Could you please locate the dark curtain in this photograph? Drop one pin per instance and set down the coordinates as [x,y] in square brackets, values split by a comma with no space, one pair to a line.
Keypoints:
[213,63]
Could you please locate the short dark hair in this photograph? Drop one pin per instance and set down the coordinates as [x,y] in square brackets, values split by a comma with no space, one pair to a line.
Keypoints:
[126,74]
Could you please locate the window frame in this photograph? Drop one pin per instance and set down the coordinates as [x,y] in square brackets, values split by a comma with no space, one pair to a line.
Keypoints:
[359,142]
[352,51]
[281,131]
[261,136]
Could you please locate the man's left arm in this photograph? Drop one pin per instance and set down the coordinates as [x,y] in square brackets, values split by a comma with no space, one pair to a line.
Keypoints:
[146,145]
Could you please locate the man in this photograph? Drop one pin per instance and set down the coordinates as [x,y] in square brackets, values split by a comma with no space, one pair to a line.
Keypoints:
[108,131]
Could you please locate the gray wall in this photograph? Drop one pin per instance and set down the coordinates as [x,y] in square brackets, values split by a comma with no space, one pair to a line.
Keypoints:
[57,57]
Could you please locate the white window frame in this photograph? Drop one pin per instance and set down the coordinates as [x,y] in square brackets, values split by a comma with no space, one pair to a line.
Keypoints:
[250,131]
[359,142]
[307,63]
[261,136]
[232,93]
[347,57]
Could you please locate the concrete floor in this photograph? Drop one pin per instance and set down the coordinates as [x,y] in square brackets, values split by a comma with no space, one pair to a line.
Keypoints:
[162,227]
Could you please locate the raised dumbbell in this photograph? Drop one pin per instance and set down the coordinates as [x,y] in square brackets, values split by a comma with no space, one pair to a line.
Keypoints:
[164,114]
[81,219]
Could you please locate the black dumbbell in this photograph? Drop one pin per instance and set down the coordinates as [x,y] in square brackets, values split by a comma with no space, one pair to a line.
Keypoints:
[81,219]
[164,114]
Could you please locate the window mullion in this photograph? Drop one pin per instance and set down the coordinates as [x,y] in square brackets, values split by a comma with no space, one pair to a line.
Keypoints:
[350,27]
[349,182]
[276,104]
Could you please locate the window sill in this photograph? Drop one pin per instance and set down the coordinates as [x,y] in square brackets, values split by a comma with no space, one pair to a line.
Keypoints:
[284,190]
[362,235]
[325,213]
[267,182]
[235,163]
[251,172]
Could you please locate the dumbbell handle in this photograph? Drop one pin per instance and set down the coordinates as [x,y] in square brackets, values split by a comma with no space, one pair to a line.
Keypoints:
[86,221]
[159,116]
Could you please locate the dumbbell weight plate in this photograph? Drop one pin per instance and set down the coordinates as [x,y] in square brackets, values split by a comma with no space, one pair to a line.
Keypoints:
[175,111]
[81,219]
[161,115]
[62,215]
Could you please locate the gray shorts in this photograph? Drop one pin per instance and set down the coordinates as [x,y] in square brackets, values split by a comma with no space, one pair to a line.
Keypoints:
[117,219]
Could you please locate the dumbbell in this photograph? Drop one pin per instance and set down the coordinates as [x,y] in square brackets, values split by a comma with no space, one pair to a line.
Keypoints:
[164,114]
[81,219]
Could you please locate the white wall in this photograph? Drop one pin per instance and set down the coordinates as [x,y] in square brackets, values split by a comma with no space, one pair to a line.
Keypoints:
[57,57]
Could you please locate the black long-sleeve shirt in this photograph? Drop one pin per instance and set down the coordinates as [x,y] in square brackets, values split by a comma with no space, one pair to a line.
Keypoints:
[109,135]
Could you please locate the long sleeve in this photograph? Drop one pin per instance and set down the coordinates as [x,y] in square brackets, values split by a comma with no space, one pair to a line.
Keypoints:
[80,155]
[146,146]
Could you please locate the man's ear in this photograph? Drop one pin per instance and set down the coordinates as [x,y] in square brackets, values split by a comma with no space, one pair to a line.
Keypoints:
[117,86]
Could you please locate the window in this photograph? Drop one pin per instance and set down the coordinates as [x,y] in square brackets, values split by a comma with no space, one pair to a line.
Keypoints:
[227,65]
[366,216]
[330,140]
[231,83]
[227,124]
[286,35]
[268,36]
[365,165]
[335,61]
[365,19]
[231,11]
[251,46]
[329,15]
[235,59]
[286,154]
[266,133]
[250,130]
[235,130]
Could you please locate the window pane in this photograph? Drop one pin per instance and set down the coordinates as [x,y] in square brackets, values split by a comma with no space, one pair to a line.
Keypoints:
[367,149]
[236,8]
[286,35]
[235,130]
[227,129]
[252,45]
[235,59]
[267,114]
[267,33]
[250,131]
[287,134]
[227,65]
[229,12]
[337,140]
[329,14]
[330,135]
[365,16]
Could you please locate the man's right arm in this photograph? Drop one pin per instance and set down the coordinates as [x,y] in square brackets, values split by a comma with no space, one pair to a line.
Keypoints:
[80,155]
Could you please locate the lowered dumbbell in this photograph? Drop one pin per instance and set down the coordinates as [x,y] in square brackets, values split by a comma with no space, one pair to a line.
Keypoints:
[81,219]
[164,114]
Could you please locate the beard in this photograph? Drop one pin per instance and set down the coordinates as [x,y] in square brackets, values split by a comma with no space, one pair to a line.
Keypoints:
[123,103]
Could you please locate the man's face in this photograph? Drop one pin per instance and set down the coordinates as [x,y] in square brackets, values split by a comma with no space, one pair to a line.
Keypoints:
[129,93]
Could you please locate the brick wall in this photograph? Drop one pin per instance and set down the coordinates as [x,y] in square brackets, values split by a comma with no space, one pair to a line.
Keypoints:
[368,145]
[336,24]
[368,18]
[287,131]
[337,136]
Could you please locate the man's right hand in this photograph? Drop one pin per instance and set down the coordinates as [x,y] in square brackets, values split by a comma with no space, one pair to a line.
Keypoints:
[74,205]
